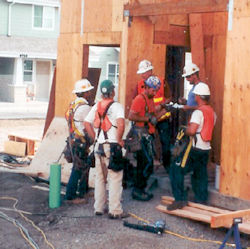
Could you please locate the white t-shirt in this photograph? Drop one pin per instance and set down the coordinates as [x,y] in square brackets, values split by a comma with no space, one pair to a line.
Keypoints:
[198,118]
[80,114]
[115,112]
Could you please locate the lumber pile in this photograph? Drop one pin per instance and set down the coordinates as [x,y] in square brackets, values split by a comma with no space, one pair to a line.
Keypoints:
[216,217]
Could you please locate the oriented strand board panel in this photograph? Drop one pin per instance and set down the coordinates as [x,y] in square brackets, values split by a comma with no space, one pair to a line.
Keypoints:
[70,16]
[137,44]
[69,70]
[235,160]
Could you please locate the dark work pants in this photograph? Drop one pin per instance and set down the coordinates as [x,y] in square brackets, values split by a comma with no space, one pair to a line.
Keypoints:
[78,181]
[163,129]
[144,160]
[197,164]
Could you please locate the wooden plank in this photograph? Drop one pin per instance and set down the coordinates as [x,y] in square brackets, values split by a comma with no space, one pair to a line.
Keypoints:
[190,208]
[176,36]
[197,44]
[199,206]
[15,148]
[180,7]
[226,220]
[185,214]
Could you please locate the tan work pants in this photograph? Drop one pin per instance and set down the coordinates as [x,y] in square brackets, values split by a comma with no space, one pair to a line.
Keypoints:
[106,176]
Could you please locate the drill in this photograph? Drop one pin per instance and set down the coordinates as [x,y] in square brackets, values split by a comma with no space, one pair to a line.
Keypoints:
[158,227]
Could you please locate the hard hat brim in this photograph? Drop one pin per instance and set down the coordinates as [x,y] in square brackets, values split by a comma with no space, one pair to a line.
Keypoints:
[140,71]
[84,90]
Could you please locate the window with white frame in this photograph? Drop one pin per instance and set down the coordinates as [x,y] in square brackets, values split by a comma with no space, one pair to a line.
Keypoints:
[113,72]
[27,70]
[43,17]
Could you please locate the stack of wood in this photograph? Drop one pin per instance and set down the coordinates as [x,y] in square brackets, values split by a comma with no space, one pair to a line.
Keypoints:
[216,217]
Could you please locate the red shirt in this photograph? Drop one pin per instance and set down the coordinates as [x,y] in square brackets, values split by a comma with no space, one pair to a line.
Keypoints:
[139,107]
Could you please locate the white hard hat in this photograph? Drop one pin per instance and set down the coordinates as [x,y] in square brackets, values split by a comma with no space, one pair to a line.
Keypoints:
[82,85]
[190,69]
[144,66]
[201,89]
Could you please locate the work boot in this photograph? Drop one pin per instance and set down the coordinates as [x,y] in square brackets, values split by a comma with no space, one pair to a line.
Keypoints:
[77,201]
[141,195]
[123,215]
[176,205]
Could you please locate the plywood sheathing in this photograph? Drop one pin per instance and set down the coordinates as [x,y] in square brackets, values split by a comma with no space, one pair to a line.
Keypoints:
[69,70]
[137,44]
[70,16]
[235,160]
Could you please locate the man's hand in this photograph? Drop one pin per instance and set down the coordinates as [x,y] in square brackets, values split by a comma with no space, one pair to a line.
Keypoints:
[182,101]
[152,119]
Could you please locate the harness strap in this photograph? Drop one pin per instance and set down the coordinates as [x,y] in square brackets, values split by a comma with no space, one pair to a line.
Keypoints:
[102,119]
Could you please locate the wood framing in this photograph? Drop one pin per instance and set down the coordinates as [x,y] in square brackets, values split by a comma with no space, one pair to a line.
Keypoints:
[176,7]
[214,216]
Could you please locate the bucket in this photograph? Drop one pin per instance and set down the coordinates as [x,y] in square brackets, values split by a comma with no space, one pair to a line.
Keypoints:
[55,186]
[217,176]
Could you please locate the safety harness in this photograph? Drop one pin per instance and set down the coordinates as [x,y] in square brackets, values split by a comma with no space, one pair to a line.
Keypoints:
[69,115]
[102,121]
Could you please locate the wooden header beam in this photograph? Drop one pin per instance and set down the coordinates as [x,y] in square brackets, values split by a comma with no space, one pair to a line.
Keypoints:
[180,7]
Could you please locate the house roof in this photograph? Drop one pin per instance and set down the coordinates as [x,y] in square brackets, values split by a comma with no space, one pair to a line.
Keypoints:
[52,3]
[45,48]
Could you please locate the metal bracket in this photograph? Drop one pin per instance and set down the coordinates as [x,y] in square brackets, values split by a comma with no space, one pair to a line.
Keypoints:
[126,13]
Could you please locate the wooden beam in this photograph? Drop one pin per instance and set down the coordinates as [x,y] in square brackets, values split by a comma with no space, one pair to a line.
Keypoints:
[85,61]
[197,44]
[176,36]
[180,7]
[226,220]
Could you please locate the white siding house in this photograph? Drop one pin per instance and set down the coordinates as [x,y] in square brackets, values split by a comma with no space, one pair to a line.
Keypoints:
[28,48]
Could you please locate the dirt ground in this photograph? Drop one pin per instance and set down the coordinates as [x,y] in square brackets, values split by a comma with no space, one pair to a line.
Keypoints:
[76,226]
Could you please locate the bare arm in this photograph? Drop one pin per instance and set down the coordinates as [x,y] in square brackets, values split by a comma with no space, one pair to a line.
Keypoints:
[90,130]
[120,130]
[132,116]
[191,129]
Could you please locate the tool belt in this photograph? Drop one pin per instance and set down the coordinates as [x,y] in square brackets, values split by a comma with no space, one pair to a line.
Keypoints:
[116,160]
[134,138]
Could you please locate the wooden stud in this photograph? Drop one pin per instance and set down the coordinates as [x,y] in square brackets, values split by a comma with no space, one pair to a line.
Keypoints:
[197,44]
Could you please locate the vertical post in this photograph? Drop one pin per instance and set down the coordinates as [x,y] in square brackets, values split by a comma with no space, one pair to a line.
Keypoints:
[55,185]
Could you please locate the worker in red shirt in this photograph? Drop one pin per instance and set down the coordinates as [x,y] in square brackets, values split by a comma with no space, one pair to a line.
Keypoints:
[162,96]
[145,115]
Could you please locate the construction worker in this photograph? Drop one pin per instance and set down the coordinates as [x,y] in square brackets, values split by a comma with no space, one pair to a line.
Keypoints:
[191,73]
[144,115]
[79,144]
[105,124]
[200,129]
[162,96]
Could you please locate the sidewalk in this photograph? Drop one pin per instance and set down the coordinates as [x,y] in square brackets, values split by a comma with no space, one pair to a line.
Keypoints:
[23,110]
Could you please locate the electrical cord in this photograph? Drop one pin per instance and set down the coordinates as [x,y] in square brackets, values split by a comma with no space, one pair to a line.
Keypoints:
[23,230]
[182,236]
[28,220]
